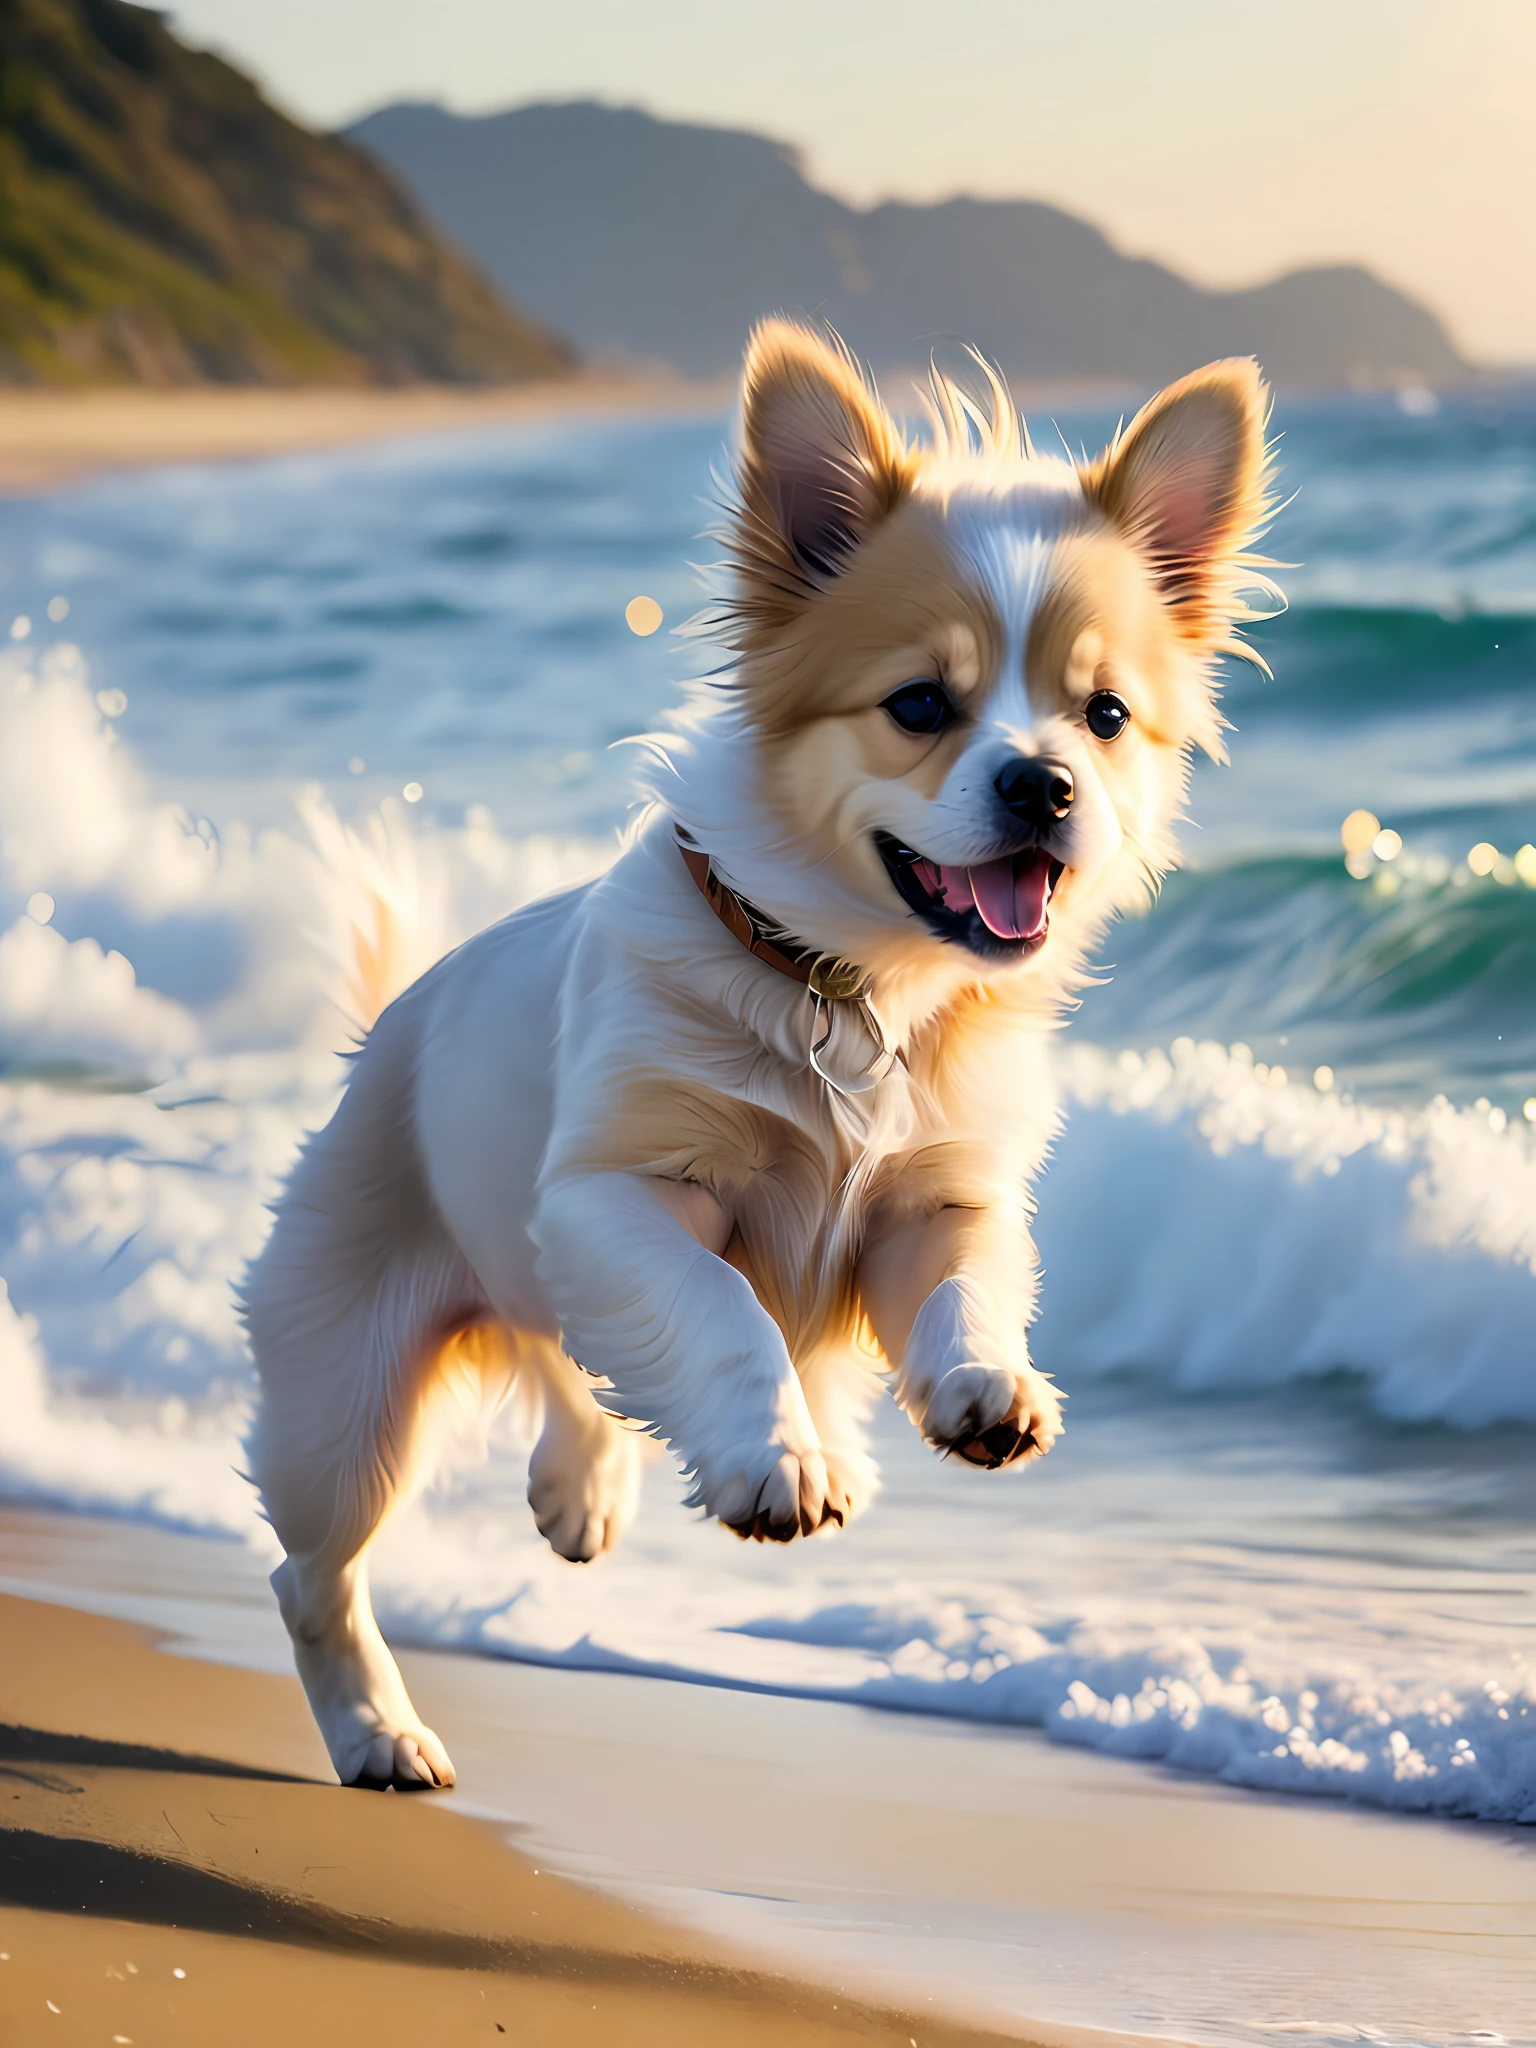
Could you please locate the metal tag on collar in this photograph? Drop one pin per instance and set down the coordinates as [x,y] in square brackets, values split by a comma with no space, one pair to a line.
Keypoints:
[823,1024]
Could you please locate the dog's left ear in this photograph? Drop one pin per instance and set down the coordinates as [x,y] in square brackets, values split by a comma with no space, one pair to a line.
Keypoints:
[821,464]
[1185,483]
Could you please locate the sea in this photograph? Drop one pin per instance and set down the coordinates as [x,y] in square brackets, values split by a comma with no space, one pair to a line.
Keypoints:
[1288,1541]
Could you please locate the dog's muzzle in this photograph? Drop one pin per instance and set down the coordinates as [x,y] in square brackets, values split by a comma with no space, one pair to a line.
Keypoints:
[999,908]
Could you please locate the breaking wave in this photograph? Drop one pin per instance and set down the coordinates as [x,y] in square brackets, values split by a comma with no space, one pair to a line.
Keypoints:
[1226,1242]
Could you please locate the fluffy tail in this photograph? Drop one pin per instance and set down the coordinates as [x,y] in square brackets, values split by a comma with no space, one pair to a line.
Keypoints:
[389,914]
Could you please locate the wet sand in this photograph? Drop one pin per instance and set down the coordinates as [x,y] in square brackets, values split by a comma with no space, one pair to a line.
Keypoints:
[903,1861]
[51,438]
[175,1867]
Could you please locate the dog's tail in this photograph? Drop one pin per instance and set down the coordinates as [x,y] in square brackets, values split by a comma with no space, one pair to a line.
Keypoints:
[389,915]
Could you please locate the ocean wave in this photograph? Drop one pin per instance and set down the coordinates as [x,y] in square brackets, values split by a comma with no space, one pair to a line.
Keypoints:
[1209,1223]
[1435,512]
[1215,1710]
[1420,973]
[1176,1667]
[1260,1228]
[1352,660]
[1213,1220]
[162,1465]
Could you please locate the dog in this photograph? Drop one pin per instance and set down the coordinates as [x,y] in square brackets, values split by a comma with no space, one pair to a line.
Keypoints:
[706,1147]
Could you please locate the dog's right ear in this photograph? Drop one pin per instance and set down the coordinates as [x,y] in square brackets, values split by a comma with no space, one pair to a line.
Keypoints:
[821,464]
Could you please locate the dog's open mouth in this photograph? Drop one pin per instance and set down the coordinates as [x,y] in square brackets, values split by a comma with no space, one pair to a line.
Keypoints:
[1000,908]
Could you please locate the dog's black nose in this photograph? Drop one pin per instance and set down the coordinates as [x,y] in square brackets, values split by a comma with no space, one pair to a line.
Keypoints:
[1037,792]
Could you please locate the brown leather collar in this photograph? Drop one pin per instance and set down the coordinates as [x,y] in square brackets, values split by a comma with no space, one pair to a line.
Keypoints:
[834,980]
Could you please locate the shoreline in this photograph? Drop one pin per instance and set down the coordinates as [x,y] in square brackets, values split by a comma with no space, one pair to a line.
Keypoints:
[51,438]
[174,1867]
[907,1862]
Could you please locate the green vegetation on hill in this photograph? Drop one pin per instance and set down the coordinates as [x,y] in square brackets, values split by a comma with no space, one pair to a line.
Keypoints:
[160,223]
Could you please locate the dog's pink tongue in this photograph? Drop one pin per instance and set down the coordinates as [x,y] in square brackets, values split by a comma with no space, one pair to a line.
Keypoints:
[953,884]
[1013,895]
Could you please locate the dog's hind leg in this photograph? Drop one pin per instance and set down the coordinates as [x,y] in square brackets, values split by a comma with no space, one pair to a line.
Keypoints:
[349,1310]
[842,1384]
[330,1470]
[584,1475]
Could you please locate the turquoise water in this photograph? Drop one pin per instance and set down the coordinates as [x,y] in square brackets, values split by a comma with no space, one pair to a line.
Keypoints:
[1290,1537]
[452,613]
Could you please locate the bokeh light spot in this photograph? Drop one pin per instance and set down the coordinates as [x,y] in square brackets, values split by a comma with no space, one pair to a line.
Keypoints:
[1359,831]
[111,703]
[1387,844]
[412,792]
[1482,857]
[58,609]
[40,907]
[1322,1080]
[643,615]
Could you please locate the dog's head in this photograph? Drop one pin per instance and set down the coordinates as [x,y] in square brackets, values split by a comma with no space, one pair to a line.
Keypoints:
[972,677]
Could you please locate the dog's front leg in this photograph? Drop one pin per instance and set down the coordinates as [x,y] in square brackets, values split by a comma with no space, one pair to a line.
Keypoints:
[949,1295]
[646,1301]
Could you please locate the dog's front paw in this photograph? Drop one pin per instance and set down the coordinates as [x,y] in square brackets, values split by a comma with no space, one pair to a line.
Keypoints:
[990,1416]
[785,1495]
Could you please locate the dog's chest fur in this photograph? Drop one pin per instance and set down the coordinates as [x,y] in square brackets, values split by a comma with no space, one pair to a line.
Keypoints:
[802,1171]
[683,1057]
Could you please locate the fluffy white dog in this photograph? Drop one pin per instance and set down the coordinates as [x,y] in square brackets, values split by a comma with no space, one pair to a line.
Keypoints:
[710,1144]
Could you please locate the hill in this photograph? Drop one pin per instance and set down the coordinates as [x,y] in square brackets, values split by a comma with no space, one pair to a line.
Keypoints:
[660,240]
[161,223]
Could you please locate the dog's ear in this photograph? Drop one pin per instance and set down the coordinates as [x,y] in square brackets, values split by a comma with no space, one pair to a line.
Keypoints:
[1185,483]
[821,464]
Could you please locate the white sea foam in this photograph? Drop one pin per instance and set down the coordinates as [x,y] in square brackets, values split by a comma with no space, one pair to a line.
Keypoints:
[64,1002]
[1214,1221]
[1243,1704]
[1207,1222]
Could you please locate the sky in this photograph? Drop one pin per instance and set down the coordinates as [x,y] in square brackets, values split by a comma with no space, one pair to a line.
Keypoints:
[1230,138]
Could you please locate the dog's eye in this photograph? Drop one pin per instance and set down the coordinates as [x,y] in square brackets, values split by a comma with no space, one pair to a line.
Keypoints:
[921,707]
[1106,715]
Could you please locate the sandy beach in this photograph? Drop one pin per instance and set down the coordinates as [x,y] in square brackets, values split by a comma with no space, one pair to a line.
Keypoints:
[706,1792]
[628,1859]
[50,438]
[174,1868]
